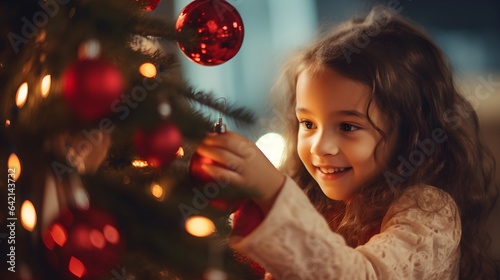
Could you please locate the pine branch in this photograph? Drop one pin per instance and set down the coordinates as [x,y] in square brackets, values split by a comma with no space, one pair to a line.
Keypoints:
[238,114]
[241,116]
[148,25]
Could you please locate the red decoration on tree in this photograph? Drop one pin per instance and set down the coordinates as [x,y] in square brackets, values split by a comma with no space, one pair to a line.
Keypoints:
[158,147]
[83,244]
[210,32]
[200,177]
[246,218]
[256,270]
[225,205]
[90,86]
[148,5]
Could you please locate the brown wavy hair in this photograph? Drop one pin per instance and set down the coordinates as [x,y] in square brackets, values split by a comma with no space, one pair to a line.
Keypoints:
[412,83]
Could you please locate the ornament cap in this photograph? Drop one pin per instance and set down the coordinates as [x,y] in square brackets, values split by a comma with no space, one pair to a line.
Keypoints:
[219,127]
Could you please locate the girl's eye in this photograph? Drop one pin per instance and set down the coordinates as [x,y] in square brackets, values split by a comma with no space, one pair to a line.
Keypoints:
[307,124]
[348,127]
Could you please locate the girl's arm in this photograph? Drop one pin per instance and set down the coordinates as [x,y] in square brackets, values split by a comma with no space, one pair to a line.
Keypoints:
[418,240]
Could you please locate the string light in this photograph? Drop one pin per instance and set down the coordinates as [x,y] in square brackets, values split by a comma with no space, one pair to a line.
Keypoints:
[156,190]
[180,152]
[90,49]
[111,234]
[164,109]
[76,267]
[199,226]
[45,86]
[138,163]
[28,215]
[22,95]
[14,163]
[148,70]
[58,236]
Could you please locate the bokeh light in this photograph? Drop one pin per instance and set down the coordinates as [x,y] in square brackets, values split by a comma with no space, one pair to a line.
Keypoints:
[28,215]
[14,164]
[139,163]
[45,86]
[76,267]
[200,226]
[22,95]
[148,70]
[272,145]
[157,190]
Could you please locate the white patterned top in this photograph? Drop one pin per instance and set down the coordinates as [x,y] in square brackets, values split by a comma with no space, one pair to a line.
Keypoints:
[419,239]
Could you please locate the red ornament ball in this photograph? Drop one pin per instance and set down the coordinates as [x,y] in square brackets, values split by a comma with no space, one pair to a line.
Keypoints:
[159,146]
[90,86]
[225,205]
[201,178]
[83,244]
[209,32]
[148,5]
[198,175]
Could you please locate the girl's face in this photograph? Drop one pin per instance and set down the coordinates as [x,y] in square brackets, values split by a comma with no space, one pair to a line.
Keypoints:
[336,142]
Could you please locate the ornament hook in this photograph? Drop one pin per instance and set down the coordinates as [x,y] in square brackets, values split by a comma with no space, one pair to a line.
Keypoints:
[219,126]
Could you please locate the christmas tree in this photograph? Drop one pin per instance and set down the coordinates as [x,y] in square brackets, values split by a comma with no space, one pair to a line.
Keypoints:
[97,136]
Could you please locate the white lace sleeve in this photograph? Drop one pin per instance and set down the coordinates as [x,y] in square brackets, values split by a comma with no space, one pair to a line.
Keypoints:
[419,240]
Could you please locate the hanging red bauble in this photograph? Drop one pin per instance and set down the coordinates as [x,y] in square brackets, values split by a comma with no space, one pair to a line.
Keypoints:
[83,244]
[158,147]
[148,5]
[210,32]
[225,205]
[90,86]
[200,177]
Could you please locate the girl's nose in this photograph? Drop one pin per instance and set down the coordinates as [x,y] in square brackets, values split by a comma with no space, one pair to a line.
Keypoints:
[324,144]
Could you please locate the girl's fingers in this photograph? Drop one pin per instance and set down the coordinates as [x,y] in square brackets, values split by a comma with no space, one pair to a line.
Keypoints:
[231,141]
[222,156]
[222,175]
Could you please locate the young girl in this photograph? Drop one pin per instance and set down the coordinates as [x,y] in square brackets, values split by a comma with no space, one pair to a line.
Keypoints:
[385,176]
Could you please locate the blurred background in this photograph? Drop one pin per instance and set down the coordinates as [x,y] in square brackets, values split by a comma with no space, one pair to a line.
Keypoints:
[467,31]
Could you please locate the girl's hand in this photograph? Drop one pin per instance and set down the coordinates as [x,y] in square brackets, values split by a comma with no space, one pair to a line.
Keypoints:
[246,166]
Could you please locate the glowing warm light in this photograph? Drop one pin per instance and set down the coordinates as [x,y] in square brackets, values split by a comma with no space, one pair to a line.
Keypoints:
[82,200]
[230,219]
[139,163]
[45,87]
[7,123]
[200,226]
[76,267]
[58,234]
[97,239]
[22,95]
[28,215]
[14,164]
[164,109]
[156,190]
[90,49]
[111,234]
[148,70]
[272,145]
[180,152]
